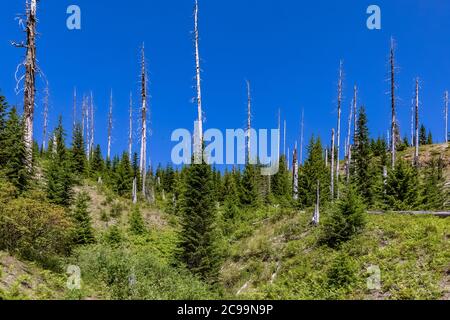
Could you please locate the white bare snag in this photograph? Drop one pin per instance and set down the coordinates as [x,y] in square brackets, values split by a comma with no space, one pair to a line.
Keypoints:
[46,102]
[143,155]
[199,143]
[393,118]
[332,163]
[110,123]
[339,126]
[446,115]
[416,153]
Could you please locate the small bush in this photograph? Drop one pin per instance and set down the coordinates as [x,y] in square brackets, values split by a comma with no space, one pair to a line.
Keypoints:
[342,273]
[137,225]
[35,230]
[116,210]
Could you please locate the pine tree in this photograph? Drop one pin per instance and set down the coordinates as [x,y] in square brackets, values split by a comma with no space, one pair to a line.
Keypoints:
[365,176]
[314,169]
[429,138]
[123,176]
[199,235]
[97,165]
[402,192]
[433,195]
[281,183]
[249,193]
[422,136]
[58,172]
[346,220]
[13,152]
[136,222]
[78,151]
[231,196]
[83,232]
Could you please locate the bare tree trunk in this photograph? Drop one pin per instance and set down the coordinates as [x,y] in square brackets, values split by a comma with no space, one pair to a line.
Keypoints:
[199,142]
[134,193]
[393,120]
[413,141]
[284,139]
[143,158]
[416,154]
[301,136]
[88,128]
[110,123]
[332,164]
[339,128]
[295,174]
[92,117]
[316,217]
[326,157]
[130,127]
[249,121]
[46,102]
[83,115]
[30,80]
[74,116]
[348,144]
[446,115]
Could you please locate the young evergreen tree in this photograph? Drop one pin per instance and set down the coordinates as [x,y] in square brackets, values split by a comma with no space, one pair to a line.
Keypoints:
[78,151]
[314,169]
[249,192]
[123,176]
[13,152]
[402,187]
[199,233]
[58,173]
[347,219]
[231,196]
[429,138]
[422,135]
[136,222]
[281,183]
[83,232]
[97,164]
[136,170]
[433,195]
[364,177]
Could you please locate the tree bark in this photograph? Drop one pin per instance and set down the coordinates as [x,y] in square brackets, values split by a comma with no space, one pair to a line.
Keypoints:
[199,138]
[46,102]
[332,164]
[130,128]
[143,156]
[249,122]
[393,119]
[339,127]
[110,123]
[446,115]
[295,174]
[416,154]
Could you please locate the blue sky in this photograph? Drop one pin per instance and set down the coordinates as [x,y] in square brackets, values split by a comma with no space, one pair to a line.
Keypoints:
[288,49]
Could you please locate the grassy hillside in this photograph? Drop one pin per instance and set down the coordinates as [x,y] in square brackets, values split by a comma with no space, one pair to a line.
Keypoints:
[269,253]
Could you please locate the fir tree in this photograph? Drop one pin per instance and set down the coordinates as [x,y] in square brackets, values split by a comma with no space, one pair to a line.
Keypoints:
[13,152]
[231,196]
[78,151]
[314,169]
[433,195]
[123,176]
[249,193]
[97,164]
[281,182]
[83,231]
[422,135]
[136,222]
[402,190]
[365,175]
[58,173]
[199,235]
[136,169]
[347,219]
[429,138]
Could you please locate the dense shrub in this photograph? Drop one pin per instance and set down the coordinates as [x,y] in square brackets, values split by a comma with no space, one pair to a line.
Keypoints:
[34,229]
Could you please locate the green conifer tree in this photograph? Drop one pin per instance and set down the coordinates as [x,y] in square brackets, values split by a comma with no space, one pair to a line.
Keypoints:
[83,232]
[78,151]
[249,191]
[433,194]
[199,232]
[402,187]
[281,183]
[422,135]
[136,222]
[58,173]
[13,152]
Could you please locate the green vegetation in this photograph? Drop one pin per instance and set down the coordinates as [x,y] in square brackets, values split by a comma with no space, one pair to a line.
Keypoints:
[201,234]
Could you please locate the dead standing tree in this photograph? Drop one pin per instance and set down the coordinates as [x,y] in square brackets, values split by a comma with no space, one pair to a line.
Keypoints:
[416,125]
[30,77]
[340,84]
[92,119]
[143,155]
[446,115]
[348,151]
[249,122]
[332,164]
[393,111]
[295,174]
[198,139]
[110,124]
[130,128]
[301,136]
[46,103]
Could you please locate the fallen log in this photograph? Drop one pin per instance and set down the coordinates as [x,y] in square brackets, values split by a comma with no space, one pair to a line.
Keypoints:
[443,214]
